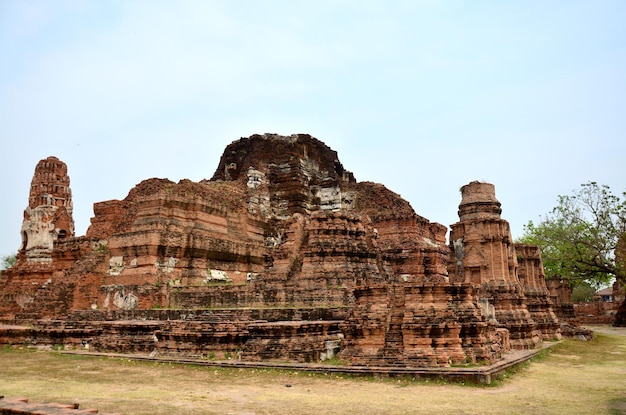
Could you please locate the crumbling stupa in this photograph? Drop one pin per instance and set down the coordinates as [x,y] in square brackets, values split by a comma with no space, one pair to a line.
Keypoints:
[282,254]
[48,216]
[483,254]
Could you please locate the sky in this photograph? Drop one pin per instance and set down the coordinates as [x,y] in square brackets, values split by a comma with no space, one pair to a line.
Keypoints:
[421,96]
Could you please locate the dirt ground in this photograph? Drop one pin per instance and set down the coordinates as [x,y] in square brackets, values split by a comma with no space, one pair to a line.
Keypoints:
[574,377]
[618,331]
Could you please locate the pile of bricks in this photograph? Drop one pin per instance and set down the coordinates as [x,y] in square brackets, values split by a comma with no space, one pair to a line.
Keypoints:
[22,406]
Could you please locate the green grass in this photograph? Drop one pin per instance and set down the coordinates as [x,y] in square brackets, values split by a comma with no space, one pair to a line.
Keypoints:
[573,377]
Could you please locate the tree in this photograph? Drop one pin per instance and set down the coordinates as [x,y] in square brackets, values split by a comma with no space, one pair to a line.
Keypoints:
[583,293]
[578,239]
[8,261]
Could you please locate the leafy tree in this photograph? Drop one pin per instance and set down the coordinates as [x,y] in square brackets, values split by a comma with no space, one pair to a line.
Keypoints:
[8,261]
[583,293]
[578,238]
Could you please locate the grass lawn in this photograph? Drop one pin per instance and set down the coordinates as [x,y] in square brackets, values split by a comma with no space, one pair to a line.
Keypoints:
[574,377]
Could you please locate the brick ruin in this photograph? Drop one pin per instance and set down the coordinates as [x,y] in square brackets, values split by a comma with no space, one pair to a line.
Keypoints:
[23,407]
[48,216]
[281,255]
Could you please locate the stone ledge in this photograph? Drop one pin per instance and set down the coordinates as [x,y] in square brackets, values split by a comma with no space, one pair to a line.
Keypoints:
[481,374]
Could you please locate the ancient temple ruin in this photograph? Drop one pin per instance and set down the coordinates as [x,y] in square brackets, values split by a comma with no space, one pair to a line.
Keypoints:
[282,254]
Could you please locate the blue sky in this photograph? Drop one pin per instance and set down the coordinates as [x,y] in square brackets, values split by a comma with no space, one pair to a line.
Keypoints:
[422,96]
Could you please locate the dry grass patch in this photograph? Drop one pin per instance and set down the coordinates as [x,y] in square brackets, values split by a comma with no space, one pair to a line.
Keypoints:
[573,377]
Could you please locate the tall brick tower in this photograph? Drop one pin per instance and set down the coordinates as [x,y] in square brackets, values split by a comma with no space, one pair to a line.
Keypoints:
[484,255]
[532,277]
[48,216]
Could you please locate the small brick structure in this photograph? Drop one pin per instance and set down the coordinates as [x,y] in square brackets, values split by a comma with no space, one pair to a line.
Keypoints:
[594,313]
[22,406]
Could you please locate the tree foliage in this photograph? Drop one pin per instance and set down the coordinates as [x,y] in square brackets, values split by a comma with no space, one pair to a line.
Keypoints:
[7,261]
[583,293]
[579,236]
